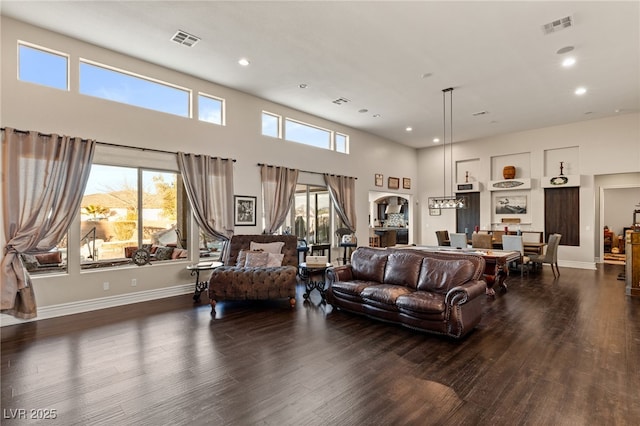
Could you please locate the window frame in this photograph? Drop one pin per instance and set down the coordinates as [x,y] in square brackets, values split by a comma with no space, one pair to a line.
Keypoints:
[47,50]
[189,92]
[278,118]
[223,107]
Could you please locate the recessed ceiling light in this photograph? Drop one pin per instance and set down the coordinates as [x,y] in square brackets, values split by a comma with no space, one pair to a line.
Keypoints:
[436,140]
[376,115]
[569,62]
[427,75]
[363,110]
[580,91]
[244,62]
[303,85]
[409,129]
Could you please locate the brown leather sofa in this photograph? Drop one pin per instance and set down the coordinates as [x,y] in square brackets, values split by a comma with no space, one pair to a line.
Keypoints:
[435,292]
[239,282]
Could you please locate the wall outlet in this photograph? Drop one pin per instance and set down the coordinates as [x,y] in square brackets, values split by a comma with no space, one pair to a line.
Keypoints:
[134,282]
[105,285]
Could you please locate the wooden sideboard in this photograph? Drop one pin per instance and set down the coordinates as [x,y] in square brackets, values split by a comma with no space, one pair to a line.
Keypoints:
[632,264]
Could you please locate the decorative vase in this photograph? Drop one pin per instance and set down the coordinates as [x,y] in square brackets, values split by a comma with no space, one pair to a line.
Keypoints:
[509,172]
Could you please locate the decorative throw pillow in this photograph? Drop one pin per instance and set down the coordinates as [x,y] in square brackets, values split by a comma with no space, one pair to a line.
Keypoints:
[274,247]
[256,259]
[164,253]
[275,259]
[242,257]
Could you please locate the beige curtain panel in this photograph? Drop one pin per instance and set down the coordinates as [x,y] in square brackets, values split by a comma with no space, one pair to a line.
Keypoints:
[342,190]
[43,180]
[278,191]
[209,185]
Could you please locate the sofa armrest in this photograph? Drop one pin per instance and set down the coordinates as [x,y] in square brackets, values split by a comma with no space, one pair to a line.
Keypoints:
[462,294]
[339,273]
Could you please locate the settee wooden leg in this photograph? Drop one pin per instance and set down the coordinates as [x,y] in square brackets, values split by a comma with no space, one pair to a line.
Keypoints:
[213,306]
[292,301]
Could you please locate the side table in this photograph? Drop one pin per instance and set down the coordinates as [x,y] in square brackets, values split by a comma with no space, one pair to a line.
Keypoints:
[307,274]
[195,270]
[347,246]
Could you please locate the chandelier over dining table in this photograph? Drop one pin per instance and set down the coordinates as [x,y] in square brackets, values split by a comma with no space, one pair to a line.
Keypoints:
[447,201]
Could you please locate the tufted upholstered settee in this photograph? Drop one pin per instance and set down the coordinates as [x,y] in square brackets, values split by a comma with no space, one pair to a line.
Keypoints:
[238,282]
[435,292]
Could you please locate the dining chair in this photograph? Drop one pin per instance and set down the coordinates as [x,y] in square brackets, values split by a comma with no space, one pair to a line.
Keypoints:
[551,254]
[443,237]
[458,240]
[497,236]
[515,243]
[481,241]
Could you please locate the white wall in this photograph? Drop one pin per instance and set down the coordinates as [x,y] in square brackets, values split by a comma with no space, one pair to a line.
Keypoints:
[605,146]
[32,107]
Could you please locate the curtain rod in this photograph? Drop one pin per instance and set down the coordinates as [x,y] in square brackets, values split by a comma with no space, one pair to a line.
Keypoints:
[46,135]
[307,171]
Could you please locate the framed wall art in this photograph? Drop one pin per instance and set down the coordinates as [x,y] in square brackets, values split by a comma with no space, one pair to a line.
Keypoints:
[244,210]
[406,183]
[393,183]
[379,179]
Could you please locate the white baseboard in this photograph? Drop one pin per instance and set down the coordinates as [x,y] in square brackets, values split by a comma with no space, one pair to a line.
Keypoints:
[578,265]
[63,309]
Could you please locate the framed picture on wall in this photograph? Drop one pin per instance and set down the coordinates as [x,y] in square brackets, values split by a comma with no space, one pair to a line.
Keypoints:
[434,212]
[393,183]
[406,183]
[379,180]
[244,210]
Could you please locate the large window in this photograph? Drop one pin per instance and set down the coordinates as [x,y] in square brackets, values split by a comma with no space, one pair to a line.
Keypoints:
[119,86]
[42,66]
[124,209]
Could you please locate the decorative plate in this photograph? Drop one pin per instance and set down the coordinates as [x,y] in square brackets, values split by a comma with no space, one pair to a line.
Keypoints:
[141,257]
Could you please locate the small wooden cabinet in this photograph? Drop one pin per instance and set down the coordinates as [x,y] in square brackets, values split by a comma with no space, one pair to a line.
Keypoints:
[632,265]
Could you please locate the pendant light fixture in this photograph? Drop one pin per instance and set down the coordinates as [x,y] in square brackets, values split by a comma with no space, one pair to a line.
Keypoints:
[447,202]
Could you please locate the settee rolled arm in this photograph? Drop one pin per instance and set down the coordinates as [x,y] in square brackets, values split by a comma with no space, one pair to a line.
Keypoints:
[462,294]
[339,273]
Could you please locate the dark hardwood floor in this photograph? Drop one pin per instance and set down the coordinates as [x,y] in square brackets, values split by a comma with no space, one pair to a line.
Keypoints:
[563,352]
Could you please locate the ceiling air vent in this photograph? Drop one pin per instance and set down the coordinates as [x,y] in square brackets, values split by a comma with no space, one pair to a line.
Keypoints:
[557,25]
[340,101]
[184,38]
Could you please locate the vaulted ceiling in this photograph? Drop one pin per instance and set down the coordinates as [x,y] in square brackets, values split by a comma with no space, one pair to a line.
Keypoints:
[388,60]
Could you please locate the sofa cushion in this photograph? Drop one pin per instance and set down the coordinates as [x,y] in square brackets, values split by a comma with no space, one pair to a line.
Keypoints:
[368,264]
[421,302]
[352,288]
[439,275]
[403,269]
[274,247]
[384,295]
